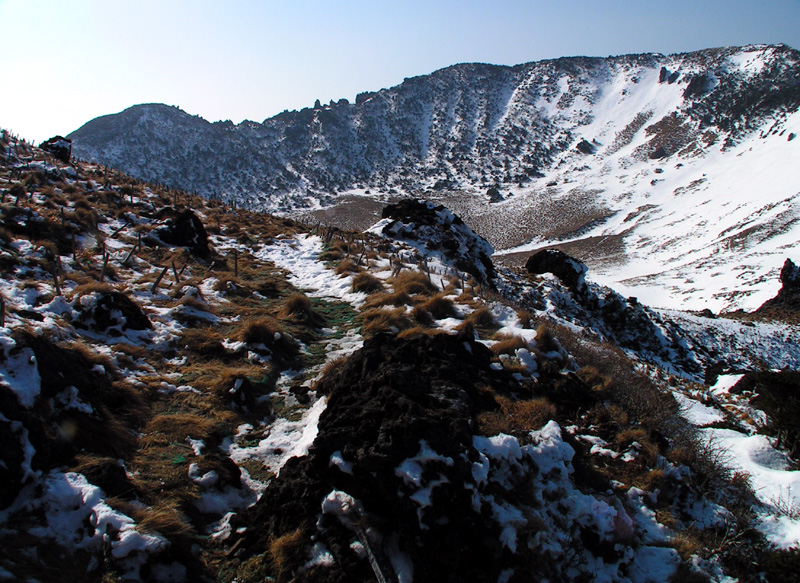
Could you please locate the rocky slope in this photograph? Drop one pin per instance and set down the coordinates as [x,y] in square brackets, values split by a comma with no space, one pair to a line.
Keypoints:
[190,392]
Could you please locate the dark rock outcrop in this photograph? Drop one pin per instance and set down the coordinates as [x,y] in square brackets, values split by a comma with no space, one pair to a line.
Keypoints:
[186,230]
[585,147]
[568,269]
[387,403]
[110,312]
[76,406]
[787,303]
[435,229]
[59,147]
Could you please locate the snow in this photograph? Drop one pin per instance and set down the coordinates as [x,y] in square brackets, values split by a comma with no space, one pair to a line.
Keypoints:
[75,515]
[338,461]
[300,256]
[19,371]
[286,439]
[697,413]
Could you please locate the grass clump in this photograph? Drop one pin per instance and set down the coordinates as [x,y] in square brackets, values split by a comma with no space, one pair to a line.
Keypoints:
[286,550]
[367,283]
[377,320]
[516,417]
[412,283]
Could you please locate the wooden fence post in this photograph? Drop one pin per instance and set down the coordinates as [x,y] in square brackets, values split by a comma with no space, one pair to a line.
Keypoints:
[158,280]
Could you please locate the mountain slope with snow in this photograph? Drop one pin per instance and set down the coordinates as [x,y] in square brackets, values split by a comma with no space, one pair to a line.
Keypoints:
[673,177]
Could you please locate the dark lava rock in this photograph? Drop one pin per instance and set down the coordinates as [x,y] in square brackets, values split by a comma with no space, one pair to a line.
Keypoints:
[110,312]
[585,147]
[387,403]
[494,195]
[186,230]
[658,153]
[698,85]
[787,302]
[58,147]
[570,271]
[436,229]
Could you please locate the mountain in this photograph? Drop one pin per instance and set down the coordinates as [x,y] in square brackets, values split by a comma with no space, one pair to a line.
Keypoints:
[195,392]
[672,177]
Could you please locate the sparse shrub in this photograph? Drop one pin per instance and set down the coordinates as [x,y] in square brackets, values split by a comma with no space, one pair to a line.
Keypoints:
[367,283]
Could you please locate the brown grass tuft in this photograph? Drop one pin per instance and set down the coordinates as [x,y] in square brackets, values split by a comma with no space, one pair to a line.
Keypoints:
[367,283]
[286,550]
[439,307]
[516,417]
[509,345]
[383,320]
[412,282]
[482,318]
[396,299]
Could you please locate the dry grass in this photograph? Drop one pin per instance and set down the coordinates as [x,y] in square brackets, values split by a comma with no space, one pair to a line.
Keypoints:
[482,318]
[164,519]
[509,345]
[286,550]
[347,267]
[204,342]
[297,308]
[367,283]
[516,417]
[439,307]
[397,298]
[175,428]
[418,331]
[377,320]
[412,283]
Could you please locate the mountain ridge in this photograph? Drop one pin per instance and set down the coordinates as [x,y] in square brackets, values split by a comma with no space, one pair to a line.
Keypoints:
[646,151]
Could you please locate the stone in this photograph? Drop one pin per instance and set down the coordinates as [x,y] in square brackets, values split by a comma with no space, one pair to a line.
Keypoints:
[186,230]
[570,271]
[59,147]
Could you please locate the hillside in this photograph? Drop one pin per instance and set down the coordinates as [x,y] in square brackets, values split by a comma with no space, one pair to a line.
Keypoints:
[191,392]
[672,177]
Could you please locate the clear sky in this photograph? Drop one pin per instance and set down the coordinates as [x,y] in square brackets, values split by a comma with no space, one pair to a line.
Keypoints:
[64,62]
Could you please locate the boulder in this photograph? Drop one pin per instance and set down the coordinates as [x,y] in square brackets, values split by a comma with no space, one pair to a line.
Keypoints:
[585,147]
[570,271]
[58,147]
[110,312]
[436,230]
[186,230]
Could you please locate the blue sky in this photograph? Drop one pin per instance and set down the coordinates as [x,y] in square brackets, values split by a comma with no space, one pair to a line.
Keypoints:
[65,62]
